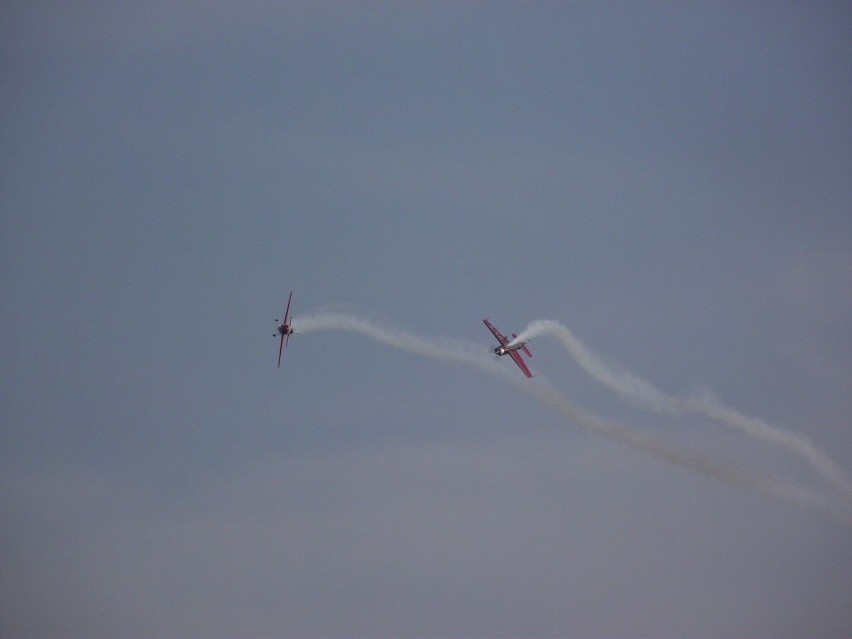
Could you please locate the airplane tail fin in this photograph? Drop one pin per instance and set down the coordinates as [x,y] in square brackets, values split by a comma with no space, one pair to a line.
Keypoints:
[524,347]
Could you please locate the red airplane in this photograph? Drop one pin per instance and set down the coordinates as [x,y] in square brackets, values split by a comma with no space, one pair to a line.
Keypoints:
[511,351]
[284,330]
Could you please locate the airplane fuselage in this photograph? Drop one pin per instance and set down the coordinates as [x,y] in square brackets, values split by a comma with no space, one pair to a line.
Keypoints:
[284,329]
[505,350]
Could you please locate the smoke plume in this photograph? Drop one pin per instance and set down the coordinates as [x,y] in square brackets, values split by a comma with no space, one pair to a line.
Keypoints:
[645,395]
[479,357]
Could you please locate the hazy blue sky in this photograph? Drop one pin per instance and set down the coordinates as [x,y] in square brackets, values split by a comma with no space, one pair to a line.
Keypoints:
[672,181]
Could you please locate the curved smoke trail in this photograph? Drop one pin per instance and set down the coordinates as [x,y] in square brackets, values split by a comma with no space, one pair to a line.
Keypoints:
[645,395]
[479,357]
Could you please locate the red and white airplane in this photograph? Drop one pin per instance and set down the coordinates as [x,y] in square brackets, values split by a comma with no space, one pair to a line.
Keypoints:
[284,330]
[511,351]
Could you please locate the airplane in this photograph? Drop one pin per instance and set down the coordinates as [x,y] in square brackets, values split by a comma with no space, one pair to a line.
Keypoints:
[285,330]
[511,351]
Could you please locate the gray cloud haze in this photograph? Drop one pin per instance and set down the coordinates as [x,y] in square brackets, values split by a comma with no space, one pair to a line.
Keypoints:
[668,181]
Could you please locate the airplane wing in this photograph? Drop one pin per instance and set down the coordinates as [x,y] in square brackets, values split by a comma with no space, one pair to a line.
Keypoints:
[285,337]
[500,337]
[287,311]
[520,362]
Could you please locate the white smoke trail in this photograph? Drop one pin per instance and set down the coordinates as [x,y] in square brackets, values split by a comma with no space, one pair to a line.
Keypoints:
[479,357]
[645,395]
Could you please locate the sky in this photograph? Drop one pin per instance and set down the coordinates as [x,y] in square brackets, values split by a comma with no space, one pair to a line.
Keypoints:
[667,181]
